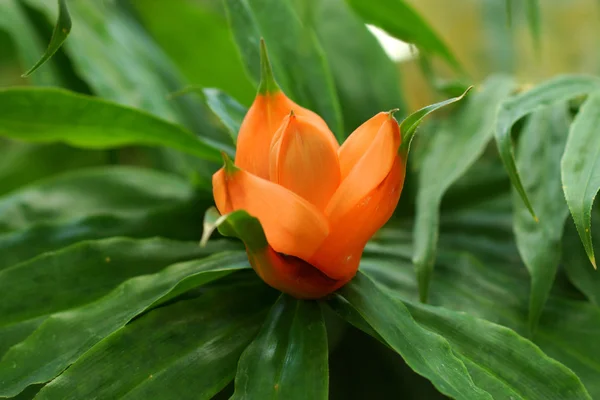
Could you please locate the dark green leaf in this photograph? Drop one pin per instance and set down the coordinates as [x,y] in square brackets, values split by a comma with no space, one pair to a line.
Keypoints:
[366,79]
[288,358]
[540,148]
[188,350]
[59,35]
[577,263]
[425,352]
[580,165]
[230,112]
[55,115]
[42,357]
[556,90]
[399,19]
[452,150]
[298,61]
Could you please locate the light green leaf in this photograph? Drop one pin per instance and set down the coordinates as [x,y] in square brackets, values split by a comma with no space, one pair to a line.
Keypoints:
[580,168]
[55,115]
[540,148]
[288,358]
[409,125]
[399,19]
[577,263]
[366,79]
[556,90]
[298,60]
[188,350]
[425,352]
[59,35]
[230,112]
[452,150]
[535,25]
[41,357]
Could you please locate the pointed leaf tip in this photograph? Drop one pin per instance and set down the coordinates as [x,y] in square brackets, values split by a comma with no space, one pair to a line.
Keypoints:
[228,164]
[210,223]
[267,84]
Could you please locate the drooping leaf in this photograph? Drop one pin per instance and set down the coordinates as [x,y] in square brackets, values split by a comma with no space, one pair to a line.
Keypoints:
[288,358]
[55,115]
[41,357]
[299,64]
[452,150]
[577,263]
[366,79]
[399,19]
[556,90]
[230,112]
[580,167]
[187,350]
[425,352]
[409,125]
[59,35]
[541,146]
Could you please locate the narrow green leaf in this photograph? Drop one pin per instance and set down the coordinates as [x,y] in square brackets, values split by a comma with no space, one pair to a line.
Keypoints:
[556,90]
[399,19]
[425,352]
[59,35]
[366,79]
[408,126]
[41,357]
[577,263]
[539,242]
[298,60]
[230,112]
[580,165]
[188,350]
[534,21]
[288,359]
[55,115]
[238,224]
[453,149]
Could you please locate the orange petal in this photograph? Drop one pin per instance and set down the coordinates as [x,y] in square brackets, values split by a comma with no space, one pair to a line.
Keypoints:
[359,141]
[292,275]
[260,124]
[304,160]
[292,225]
[369,170]
[339,255]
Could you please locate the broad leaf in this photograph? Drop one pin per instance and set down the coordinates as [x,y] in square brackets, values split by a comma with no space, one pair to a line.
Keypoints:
[399,19]
[556,90]
[580,168]
[425,352]
[288,358]
[41,357]
[59,35]
[452,150]
[54,115]
[540,148]
[298,61]
[188,350]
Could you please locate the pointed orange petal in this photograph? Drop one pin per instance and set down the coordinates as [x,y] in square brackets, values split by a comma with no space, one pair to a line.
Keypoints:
[359,141]
[292,225]
[339,255]
[260,124]
[304,160]
[368,172]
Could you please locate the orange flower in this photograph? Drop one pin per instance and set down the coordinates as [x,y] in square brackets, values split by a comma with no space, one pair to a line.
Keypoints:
[318,203]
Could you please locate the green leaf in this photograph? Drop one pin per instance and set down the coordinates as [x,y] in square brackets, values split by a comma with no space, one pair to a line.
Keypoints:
[539,242]
[579,166]
[298,60]
[409,125]
[577,263]
[59,35]
[452,150]
[425,352]
[533,19]
[41,357]
[55,115]
[399,19]
[288,358]
[230,112]
[188,350]
[238,224]
[366,79]
[556,90]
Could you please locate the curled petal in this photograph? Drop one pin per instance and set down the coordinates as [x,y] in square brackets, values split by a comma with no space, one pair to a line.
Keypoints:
[369,170]
[304,160]
[292,225]
[340,253]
